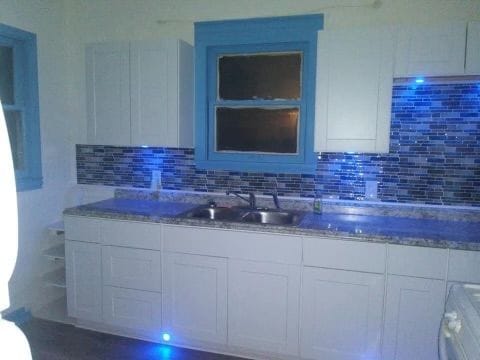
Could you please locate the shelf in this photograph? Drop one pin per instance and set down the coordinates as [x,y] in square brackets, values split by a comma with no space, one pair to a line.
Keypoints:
[56,252]
[55,311]
[57,228]
[55,278]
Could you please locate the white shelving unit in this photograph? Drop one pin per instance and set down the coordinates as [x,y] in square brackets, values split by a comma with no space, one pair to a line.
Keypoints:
[54,278]
[55,311]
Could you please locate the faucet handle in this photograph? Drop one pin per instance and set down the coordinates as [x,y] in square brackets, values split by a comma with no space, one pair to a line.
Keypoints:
[252,200]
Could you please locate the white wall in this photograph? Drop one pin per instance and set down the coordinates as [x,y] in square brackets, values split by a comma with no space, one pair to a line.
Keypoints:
[39,208]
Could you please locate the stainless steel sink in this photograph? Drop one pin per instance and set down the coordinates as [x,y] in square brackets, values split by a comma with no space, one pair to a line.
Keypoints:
[273,217]
[247,215]
[212,213]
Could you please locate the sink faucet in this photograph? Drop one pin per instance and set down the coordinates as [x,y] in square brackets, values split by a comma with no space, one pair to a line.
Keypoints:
[275,198]
[275,194]
[252,201]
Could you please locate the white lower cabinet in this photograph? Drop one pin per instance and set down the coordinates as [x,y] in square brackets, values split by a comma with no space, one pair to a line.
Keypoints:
[414,309]
[255,294]
[341,314]
[84,280]
[133,309]
[263,306]
[195,298]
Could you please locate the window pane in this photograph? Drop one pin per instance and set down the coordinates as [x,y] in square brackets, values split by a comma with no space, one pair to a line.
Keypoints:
[6,75]
[257,129]
[262,76]
[15,132]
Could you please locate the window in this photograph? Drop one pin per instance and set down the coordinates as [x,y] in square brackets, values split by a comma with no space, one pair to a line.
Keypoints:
[255,91]
[19,96]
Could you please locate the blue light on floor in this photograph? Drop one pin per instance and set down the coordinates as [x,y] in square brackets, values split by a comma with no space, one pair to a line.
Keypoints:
[159,352]
[166,337]
[419,80]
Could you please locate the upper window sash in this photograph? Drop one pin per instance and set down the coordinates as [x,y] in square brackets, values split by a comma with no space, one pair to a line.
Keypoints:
[273,75]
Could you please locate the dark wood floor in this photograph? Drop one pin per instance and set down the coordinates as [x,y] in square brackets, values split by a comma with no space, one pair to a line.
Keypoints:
[53,341]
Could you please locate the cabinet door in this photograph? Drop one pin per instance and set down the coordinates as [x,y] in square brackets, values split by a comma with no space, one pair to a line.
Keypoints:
[431,50]
[108,94]
[154,73]
[195,298]
[84,280]
[472,63]
[133,309]
[414,309]
[341,314]
[354,90]
[132,268]
[263,300]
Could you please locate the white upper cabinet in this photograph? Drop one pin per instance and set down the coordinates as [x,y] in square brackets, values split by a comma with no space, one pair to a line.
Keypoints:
[431,50]
[162,93]
[140,93]
[354,90]
[108,94]
[472,62]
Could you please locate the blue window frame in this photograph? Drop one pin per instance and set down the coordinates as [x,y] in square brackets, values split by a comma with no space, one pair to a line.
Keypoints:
[19,95]
[295,34]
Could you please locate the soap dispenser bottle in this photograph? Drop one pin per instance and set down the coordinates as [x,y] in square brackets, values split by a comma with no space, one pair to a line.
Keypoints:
[317,204]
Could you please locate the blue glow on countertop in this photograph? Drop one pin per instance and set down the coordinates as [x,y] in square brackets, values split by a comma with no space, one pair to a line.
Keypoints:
[139,207]
[349,222]
[431,229]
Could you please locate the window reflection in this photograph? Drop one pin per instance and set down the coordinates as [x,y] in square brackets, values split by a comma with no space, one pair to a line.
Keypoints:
[254,129]
[259,76]
[6,75]
[15,133]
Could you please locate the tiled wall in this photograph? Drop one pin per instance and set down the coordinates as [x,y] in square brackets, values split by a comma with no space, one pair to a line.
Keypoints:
[434,158]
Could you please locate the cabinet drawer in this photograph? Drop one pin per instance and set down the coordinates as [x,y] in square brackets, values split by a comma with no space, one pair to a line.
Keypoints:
[132,268]
[131,234]
[236,244]
[133,309]
[464,266]
[417,261]
[82,229]
[344,255]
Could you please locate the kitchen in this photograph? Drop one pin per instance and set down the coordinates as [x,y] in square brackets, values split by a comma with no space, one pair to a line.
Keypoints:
[423,165]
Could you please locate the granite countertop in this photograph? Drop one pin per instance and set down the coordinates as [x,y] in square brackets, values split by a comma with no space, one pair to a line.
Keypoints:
[372,228]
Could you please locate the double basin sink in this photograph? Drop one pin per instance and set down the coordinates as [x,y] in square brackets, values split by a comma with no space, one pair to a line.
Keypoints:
[246,215]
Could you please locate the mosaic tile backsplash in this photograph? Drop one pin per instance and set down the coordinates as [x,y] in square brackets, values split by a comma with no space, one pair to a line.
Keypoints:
[434,158]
